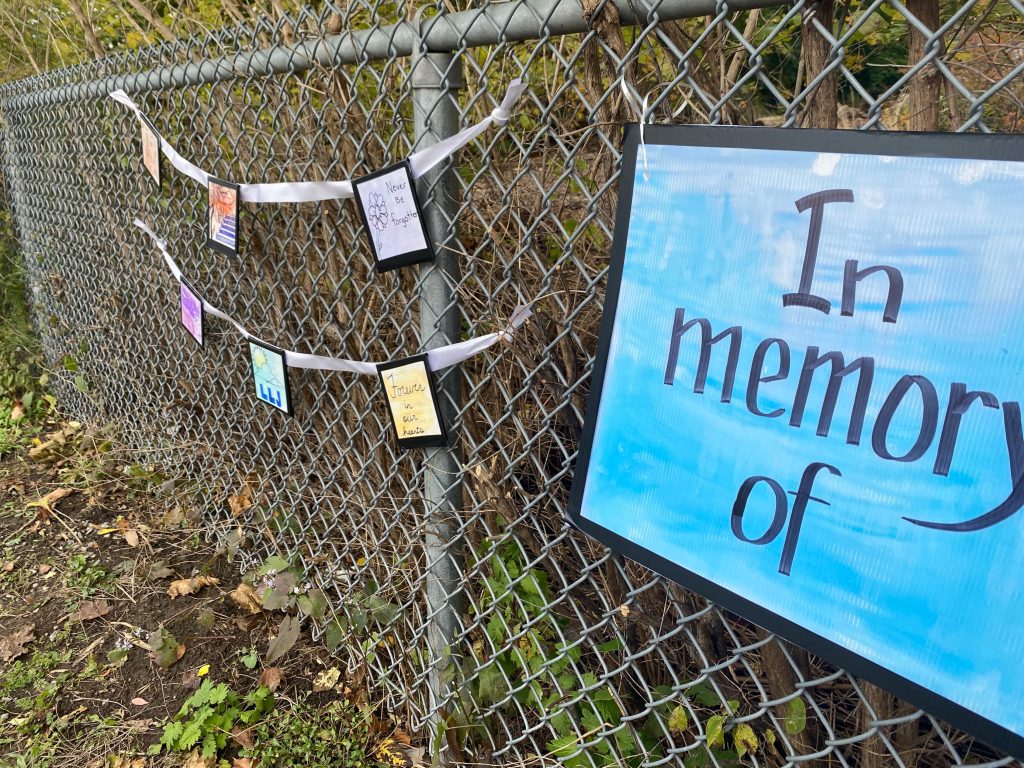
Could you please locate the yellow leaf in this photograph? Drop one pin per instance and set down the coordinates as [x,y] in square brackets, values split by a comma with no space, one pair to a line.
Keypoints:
[326,680]
[203,670]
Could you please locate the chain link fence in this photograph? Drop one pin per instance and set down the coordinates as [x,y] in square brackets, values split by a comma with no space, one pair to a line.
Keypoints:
[468,607]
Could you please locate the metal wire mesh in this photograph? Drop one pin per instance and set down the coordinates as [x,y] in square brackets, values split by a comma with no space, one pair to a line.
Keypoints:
[469,607]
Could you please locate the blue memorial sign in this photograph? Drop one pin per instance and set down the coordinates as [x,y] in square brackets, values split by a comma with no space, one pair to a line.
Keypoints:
[807,398]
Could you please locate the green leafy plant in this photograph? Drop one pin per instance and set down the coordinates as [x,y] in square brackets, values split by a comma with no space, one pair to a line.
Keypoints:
[339,735]
[85,577]
[206,718]
[282,587]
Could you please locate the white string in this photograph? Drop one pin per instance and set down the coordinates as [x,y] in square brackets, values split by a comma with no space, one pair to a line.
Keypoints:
[437,359]
[312,191]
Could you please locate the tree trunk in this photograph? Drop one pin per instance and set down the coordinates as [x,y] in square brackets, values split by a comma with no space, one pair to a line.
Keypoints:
[822,108]
[926,85]
[782,680]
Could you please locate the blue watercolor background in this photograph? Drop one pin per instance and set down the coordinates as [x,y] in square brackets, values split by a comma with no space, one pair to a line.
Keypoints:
[716,231]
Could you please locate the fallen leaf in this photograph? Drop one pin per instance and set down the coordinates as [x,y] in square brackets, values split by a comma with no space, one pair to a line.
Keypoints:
[272,677]
[239,503]
[131,537]
[189,681]
[138,701]
[84,653]
[241,762]
[195,760]
[157,570]
[50,499]
[166,650]
[7,567]
[90,609]
[285,639]
[123,762]
[245,597]
[172,517]
[242,736]
[70,715]
[401,737]
[414,756]
[44,568]
[326,680]
[246,623]
[188,586]
[13,645]
[203,670]
[17,412]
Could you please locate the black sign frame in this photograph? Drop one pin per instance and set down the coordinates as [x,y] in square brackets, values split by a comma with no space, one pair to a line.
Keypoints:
[911,144]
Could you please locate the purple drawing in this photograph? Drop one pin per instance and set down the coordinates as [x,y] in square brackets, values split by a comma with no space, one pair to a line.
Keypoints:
[192,312]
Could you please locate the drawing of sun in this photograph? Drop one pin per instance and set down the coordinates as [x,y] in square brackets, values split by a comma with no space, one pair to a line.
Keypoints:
[259,359]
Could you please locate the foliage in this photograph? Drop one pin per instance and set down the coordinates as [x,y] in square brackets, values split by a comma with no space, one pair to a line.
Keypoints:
[23,402]
[526,660]
[280,587]
[206,718]
[85,577]
[339,735]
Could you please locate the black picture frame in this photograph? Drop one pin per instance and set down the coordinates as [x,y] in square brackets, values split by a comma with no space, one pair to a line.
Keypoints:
[210,241]
[145,124]
[410,257]
[428,441]
[290,410]
[911,144]
[202,312]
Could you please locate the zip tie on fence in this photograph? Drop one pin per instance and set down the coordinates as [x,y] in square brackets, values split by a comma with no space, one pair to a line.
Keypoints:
[437,359]
[313,191]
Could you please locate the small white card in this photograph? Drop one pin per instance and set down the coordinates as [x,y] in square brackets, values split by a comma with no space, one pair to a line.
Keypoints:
[412,402]
[391,213]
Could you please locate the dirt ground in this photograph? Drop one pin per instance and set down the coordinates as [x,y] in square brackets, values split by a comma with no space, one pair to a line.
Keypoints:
[91,550]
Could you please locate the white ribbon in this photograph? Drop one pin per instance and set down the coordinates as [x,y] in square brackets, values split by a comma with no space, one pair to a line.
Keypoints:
[437,359]
[643,119]
[312,191]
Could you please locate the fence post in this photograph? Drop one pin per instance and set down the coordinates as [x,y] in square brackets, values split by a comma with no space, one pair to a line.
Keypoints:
[436,79]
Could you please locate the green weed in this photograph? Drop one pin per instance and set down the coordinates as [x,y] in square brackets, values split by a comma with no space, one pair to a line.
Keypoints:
[339,735]
[206,718]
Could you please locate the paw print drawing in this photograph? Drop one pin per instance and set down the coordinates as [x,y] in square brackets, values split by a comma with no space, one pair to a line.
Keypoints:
[377,214]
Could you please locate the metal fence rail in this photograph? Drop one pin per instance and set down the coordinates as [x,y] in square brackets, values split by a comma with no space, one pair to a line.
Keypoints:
[470,608]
